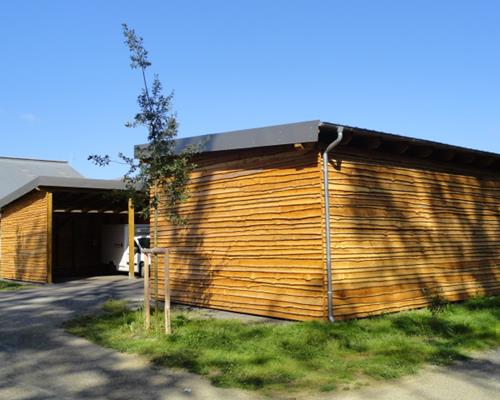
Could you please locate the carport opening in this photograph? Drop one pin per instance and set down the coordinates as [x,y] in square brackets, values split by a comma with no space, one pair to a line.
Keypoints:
[80,232]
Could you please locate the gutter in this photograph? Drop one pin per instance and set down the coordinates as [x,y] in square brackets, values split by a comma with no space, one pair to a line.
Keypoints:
[331,146]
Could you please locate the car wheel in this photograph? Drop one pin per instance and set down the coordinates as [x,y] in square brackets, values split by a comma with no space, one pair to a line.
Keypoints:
[141,269]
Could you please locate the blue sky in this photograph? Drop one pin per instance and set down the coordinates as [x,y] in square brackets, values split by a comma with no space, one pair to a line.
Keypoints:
[428,69]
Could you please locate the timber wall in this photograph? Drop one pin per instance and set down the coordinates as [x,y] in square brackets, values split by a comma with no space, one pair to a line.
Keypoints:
[403,226]
[253,242]
[24,238]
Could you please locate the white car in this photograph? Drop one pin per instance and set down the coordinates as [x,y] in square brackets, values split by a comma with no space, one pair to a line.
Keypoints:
[140,242]
[115,249]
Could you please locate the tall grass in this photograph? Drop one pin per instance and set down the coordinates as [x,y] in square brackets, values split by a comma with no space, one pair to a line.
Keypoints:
[312,356]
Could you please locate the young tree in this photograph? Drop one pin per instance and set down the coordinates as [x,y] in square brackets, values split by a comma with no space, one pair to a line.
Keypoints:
[160,173]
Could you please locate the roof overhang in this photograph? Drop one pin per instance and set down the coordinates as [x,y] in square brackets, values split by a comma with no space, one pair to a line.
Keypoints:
[301,132]
[51,182]
[318,131]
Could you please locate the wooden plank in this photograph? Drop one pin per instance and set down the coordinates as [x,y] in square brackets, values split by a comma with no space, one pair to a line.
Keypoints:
[147,295]
[253,239]
[166,294]
[131,239]
[24,238]
[50,236]
[403,225]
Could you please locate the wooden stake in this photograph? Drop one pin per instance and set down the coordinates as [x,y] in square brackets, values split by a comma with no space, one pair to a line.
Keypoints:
[131,240]
[49,236]
[147,309]
[166,285]
[154,252]
[156,269]
[156,265]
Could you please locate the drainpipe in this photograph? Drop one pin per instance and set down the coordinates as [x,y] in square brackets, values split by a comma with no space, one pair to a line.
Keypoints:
[330,147]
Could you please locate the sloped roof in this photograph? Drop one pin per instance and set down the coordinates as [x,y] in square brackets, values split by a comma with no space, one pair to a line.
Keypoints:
[299,132]
[62,182]
[316,130]
[19,176]
[16,172]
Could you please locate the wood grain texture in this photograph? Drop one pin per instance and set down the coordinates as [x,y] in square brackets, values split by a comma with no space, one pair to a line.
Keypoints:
[402,226]
[24,238]
[253,242]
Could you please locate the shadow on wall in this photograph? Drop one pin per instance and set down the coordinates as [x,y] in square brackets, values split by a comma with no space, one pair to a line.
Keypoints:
[252,243]
[404,232]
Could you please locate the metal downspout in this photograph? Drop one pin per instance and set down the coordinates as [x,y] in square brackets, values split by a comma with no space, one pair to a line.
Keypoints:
[331,146]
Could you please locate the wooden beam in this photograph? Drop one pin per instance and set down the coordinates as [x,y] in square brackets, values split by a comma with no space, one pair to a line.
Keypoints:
[303,146]
[421,151]
[166,284]
[147,304]
[397,147]
[131,235]
[467,158]
[166,287]
[347,138]
[49,236]
[445,155]
[372,143]
[485,161]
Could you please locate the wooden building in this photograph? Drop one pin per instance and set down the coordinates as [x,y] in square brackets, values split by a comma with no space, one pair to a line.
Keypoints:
[408,219]
[50,225]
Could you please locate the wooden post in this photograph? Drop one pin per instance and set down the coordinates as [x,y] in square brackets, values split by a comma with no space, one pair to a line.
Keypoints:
[166,288]
[155,252]
[147,306]
[156,266]
[49,236]
[131,241]
[156,269]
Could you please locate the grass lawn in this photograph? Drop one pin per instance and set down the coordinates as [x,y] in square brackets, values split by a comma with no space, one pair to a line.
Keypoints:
[7,285]
[282,358]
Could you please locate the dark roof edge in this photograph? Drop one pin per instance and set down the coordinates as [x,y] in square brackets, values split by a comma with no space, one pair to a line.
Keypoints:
[64,182]
[408,139]
[299,132]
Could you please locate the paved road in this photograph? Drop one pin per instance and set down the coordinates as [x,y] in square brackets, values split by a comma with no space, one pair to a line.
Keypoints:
[39,361]
[475,379]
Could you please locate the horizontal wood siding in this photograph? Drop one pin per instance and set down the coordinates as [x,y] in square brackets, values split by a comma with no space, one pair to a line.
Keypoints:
[24,238]
[253,242]
[401,226]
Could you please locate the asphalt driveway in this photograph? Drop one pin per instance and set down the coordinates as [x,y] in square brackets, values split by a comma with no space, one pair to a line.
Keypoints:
[38,360]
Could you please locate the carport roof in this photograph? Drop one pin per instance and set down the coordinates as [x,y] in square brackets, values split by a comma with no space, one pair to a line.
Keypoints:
[62,182]
[17,172]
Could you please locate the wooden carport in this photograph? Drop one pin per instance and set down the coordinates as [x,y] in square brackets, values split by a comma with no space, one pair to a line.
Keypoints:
[50,227]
